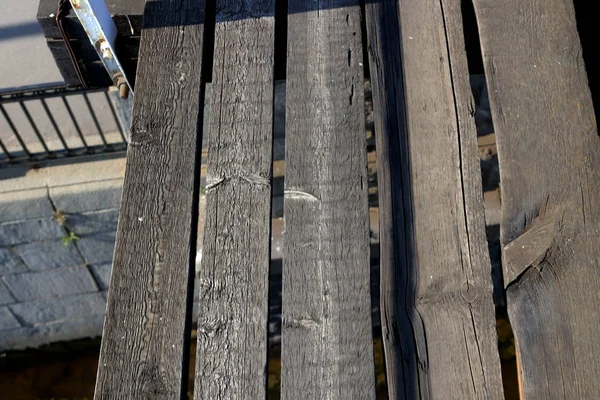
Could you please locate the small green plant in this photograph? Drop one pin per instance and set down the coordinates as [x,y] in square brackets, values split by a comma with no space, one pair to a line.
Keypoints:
[69,238]
[60,217]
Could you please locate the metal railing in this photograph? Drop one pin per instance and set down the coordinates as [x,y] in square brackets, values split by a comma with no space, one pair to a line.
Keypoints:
[32,129]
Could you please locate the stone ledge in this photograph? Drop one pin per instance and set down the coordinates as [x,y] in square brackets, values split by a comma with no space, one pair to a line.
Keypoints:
[95,168]
[36,336]
[86,197]
[62,173]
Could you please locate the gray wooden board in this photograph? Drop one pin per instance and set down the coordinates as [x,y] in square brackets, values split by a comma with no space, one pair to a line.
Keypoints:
[232,322]
[92,69]
[88,60]
[82,48]
[549,153]
[327,348]
[146,332]
[127,15]
[438,316]
[128,48]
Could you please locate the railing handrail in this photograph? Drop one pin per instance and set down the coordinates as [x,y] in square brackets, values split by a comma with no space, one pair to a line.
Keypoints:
[42,93]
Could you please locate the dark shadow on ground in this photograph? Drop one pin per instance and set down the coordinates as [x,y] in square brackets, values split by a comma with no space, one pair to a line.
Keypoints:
[16,31]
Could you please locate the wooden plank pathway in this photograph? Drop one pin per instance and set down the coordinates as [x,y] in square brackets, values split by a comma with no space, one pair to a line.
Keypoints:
[437,310]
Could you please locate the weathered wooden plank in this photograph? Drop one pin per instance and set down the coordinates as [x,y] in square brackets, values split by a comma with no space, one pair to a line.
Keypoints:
[232,322]
[92,69]
[85,52]
[327,348]
[93,72]
[549,153]
[145,349]
[437,310]
[67,71]
[83,49]
[127,15]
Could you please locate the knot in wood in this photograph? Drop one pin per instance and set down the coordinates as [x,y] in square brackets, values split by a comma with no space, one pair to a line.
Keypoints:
[210,328]
[468,292]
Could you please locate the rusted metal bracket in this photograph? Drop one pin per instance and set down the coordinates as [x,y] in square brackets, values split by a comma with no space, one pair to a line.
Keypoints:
[102,32]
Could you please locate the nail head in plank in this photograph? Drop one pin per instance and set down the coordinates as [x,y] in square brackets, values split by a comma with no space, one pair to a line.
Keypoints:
[146,332]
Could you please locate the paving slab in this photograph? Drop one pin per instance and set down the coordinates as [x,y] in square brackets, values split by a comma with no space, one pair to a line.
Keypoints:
[5,296]
[10,262]
[50,283]
[25,204]
[102,274]
[65,172]
[98,248]
[49,254]
[92,222]
[7,320]
[28,231]
[60,308]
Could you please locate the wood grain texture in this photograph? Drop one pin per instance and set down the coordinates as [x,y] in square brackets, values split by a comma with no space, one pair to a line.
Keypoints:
[437,310]
[128,48]
[88,60]
[84,50]
[128,17]
[327,347]
[146,331]
[549,153]
[233,310]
